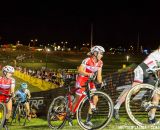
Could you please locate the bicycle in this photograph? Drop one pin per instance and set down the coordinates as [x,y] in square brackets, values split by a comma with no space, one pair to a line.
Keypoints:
[3,111]
[19,113]
[139,100]
[61,107]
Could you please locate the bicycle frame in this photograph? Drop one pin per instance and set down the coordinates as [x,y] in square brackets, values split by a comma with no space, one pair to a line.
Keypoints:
[84,95]
[61,109]
[157,84]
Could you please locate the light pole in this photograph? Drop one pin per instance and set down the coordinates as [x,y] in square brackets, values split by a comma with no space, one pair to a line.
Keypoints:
[47,50]
[91,35]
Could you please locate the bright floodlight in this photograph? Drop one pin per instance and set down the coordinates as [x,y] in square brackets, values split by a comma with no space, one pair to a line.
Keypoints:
[127,57]
[48,49]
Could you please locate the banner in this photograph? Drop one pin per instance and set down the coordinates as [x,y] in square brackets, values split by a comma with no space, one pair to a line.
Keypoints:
[43,85]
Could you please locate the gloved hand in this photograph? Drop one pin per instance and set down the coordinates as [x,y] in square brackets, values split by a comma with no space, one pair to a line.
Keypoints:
[103,84]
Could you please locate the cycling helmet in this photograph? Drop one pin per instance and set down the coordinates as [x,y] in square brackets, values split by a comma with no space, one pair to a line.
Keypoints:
[23,86]
[97,49]
[7,69]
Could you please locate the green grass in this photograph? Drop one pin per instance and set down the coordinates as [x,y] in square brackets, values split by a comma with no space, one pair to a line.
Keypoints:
[70,60]
[41,124]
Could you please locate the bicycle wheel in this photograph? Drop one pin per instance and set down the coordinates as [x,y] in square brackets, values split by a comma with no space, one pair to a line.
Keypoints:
[138,98]
[56,116]
[2,114]
[103,114]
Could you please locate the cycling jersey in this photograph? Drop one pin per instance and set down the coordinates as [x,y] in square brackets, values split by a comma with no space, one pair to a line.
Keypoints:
[90,67]
[5,85]
[152,59]
[140,74]
[22,95]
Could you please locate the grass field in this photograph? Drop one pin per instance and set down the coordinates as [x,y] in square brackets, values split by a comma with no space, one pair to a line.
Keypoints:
[69,60]
[41,124]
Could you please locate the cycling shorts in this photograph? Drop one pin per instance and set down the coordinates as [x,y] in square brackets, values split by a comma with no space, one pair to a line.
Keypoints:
[142,76]
[81,82]
[4,98]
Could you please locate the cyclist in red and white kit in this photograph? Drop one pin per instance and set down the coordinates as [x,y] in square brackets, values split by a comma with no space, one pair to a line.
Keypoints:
[141,76]
[7,86]
[89,66]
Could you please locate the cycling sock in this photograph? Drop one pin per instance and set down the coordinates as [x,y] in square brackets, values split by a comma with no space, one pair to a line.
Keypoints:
[117,106]
[5,122]
[89,116]
[151,116]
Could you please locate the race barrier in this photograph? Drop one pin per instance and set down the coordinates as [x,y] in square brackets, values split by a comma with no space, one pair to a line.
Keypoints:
[42,84]
[115,83]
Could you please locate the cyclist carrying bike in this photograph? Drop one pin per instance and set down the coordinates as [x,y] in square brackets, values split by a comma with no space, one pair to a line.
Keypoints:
[141,76]
[88,68]
[23,95]
[7,86]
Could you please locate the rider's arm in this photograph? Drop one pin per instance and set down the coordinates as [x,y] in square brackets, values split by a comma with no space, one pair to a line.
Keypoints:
[28,94]
[99,75]
[81,70]
[12,87]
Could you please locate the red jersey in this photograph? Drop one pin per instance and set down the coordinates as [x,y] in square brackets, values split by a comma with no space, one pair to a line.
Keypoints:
[5,86]
[90,67]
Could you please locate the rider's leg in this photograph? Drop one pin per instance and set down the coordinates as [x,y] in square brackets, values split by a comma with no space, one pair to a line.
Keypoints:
[9,109]
[90,112]
[151,113]
[138,78]
[123,95]
[95,101]
[121,100]
[27,108]
[78,94]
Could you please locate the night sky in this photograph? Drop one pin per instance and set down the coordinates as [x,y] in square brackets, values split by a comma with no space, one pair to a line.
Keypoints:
[114,24]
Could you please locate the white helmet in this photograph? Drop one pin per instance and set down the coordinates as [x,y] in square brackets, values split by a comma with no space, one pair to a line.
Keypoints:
[97,49]
[7,69]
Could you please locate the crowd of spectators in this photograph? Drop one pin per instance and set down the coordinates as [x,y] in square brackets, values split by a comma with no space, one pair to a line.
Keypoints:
[54,76]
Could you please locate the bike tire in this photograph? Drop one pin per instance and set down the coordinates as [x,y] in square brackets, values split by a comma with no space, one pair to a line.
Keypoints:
[2,114]
[103,115]
[136,98]
[56,115]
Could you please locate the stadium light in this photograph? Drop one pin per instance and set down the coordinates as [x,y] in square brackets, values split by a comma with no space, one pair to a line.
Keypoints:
[127,58]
